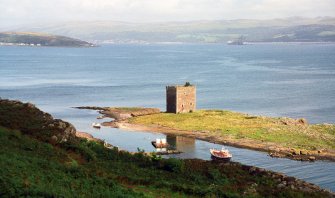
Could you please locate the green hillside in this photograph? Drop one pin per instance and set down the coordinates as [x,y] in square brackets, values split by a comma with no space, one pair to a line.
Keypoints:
[41,157]
[38,39]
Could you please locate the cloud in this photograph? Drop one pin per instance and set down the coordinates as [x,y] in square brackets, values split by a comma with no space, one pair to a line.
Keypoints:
[14,12]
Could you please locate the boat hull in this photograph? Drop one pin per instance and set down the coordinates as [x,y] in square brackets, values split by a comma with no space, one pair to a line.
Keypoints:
[225,159]
[96,125]
[218,157]
[159,145]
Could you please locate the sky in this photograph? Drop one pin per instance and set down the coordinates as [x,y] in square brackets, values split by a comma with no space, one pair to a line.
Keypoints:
[21,12]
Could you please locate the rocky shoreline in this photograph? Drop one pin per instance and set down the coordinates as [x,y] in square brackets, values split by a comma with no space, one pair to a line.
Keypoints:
[283,180]
[87,136]
[121,120]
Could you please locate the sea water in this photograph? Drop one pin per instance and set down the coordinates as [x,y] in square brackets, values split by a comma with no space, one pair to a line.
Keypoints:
[293,80]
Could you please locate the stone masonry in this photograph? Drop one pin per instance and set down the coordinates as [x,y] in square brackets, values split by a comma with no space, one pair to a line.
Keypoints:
[180,99]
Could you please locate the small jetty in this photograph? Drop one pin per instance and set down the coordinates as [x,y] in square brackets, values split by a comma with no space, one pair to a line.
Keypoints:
[163,148]
[167,152]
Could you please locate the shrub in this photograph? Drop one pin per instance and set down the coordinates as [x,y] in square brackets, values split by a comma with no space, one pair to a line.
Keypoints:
[187,84]
[81,149]
[173,165]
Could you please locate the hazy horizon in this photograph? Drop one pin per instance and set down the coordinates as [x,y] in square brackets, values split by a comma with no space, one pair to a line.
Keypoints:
[35,12]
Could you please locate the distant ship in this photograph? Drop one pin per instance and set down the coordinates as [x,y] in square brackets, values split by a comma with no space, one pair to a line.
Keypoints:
[239,41]
[235,42]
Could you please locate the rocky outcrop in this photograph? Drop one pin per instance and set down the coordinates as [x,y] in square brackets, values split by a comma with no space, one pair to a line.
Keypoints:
[125,113]
[302,154]
[284,181]
[89,137]
[61,131]
[122,113]
[145,111]
[30,120]
[290,121]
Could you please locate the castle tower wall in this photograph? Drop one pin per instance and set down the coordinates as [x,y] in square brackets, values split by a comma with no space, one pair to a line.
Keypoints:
[171,99]
[180,99]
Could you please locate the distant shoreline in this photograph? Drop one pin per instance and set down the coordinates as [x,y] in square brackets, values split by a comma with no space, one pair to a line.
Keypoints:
[214,43]
[293,42]
[29,45]
[35,39]
[168,43]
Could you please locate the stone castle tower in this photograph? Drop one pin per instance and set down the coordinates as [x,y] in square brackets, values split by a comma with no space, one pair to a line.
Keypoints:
[180,99]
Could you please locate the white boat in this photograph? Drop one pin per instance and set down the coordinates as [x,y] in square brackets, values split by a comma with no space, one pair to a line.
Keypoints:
[96,125]
[160,143]
[222,154]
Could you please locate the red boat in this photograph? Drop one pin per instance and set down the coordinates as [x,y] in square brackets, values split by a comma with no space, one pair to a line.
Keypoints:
[222,154]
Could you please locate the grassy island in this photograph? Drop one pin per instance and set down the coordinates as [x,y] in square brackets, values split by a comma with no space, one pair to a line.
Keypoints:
[238,127]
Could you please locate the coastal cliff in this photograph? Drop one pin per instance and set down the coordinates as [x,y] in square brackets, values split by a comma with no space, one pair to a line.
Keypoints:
[28,119]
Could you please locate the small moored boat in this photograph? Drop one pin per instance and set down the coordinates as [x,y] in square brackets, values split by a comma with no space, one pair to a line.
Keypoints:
[100,117]
[160,143]
[222,154]
[96,125]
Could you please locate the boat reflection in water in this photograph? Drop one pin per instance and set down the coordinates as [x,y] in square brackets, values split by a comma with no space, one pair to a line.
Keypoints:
[173,145]
[184,144]
[158,150]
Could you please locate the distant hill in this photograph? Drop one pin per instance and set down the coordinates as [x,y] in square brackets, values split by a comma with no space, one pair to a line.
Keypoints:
[294,29]
[39,39]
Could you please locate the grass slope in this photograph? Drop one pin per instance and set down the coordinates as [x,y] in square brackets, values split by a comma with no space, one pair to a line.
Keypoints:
[32,168]
[283,131]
